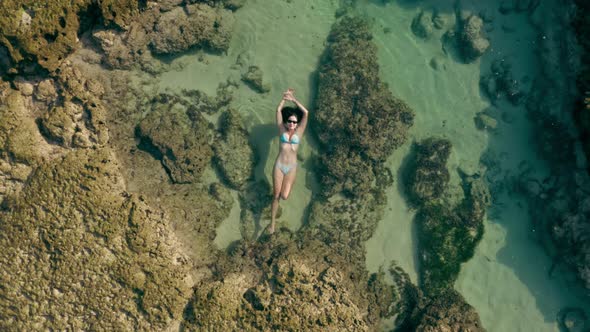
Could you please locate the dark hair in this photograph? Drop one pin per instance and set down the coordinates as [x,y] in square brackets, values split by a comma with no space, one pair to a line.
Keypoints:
[288,111]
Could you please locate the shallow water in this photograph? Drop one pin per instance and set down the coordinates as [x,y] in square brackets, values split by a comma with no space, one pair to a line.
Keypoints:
[507,280]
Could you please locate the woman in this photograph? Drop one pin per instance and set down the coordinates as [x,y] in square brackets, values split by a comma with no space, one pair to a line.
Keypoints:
[291,122]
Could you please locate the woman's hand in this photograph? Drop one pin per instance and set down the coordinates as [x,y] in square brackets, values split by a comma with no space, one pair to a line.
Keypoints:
[288,95]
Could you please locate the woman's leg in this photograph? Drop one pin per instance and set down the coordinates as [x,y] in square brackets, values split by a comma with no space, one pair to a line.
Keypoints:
[288,181]
[277,182]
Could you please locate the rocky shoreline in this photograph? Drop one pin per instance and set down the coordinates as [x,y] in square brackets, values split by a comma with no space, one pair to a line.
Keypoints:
[107,219]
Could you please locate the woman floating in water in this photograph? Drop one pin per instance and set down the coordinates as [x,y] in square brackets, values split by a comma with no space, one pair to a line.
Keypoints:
[291,122]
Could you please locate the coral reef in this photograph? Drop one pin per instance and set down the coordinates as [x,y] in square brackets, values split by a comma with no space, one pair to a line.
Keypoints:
[233,154]
[43,33]
[177,136]
[119,12]
[127,49]
[20,140]
[430,176]
[355,109]
[103,261]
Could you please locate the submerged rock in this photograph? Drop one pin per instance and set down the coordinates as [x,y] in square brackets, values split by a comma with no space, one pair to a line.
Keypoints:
[422,25]
[448,312]
[46,91]
[233,154]
[182,143]
[346,223]
[194,25]
[77,89]
[501,83]
[484,121]
[358,121]
[445,241]
[573,320]
[59,123]
[429,176]
[448,231]
[472,42]
[253,77]
[20,139]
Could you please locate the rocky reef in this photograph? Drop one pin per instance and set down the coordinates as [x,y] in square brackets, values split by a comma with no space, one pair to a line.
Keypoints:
[446,312]
[347,223]
[87,213]
[194,25]
[43,35]
[448,231]
[285,284]
[179,136]
[105,260]
[430,176]
[472,42]
[358,121]
[501,83]
[234,155]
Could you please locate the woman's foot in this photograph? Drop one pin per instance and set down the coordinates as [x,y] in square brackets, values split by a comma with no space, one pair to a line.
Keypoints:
[271,228]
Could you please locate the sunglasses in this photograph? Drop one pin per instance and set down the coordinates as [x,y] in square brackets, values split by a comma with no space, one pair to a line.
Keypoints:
[291,121]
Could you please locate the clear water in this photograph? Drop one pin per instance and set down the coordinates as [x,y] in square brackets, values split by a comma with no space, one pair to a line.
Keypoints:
[507,280]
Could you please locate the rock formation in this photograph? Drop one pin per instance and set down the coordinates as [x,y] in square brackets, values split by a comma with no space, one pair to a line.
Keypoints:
[357,109]
[177,136]
[103,260]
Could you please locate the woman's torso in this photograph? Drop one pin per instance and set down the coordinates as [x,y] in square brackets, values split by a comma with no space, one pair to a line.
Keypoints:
[288,145]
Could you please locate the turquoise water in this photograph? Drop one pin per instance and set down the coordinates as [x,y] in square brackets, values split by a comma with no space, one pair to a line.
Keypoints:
[507,280]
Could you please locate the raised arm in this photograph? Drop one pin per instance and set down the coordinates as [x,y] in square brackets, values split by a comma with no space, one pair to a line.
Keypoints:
[280,115]
[303,122]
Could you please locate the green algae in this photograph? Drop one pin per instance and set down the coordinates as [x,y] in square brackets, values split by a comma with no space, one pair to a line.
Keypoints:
[448,231]
[445,241]
[430,176]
